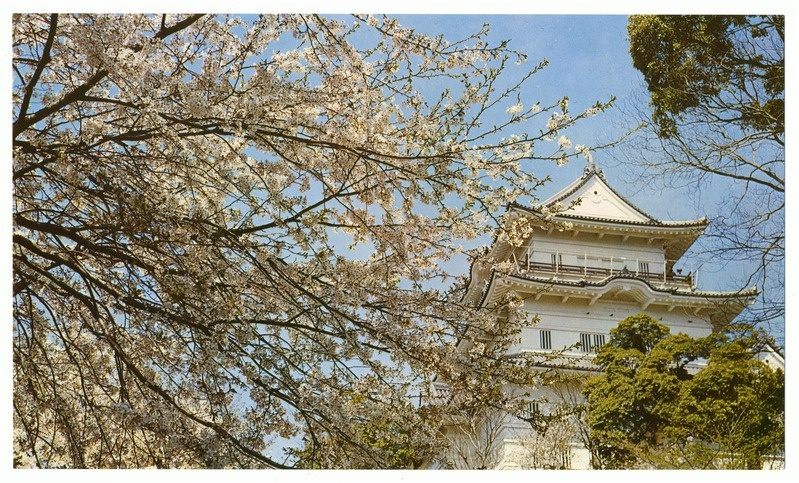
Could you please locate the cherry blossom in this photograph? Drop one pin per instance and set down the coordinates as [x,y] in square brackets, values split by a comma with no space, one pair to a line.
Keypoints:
[229,235]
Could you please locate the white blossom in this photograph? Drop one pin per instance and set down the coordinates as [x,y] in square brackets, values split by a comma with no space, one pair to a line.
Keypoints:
[515,109]
[584,151]
[230,233]
[592,111]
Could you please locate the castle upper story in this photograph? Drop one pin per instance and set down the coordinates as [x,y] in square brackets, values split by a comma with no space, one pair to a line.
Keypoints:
[588,244]
[590,231]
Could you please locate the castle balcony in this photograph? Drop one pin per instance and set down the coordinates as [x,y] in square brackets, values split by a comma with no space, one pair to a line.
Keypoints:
[570,266]
[570,359]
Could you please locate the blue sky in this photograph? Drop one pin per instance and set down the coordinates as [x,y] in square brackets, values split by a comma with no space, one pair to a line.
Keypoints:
[584,41]
[589,62]
[587,49]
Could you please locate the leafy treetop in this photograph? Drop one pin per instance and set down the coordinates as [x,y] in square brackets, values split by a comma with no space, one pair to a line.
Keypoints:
[650,408]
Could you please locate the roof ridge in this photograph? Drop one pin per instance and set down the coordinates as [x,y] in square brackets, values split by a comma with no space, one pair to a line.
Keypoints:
[580,283]
[592,170]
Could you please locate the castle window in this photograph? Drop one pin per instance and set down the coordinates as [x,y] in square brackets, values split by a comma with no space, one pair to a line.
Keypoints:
[585,342]
[591,342]
[599,341]
[546,339]
[531,409]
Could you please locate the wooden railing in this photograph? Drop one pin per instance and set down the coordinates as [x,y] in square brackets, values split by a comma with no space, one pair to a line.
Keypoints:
[600,272]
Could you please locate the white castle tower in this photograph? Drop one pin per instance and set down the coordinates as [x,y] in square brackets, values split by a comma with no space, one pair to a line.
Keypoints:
[592,260]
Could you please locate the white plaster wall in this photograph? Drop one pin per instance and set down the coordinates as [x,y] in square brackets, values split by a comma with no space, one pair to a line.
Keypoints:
[596,199]
[574,248]
[773,359]
[567,320]
[515,457]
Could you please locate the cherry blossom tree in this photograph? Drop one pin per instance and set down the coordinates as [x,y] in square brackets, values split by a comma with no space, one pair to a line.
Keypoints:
[229,233]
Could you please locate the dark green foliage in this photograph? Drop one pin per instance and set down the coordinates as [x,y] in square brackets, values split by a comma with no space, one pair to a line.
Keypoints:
[698,60]
[716,89]
[637,333]
[649,410]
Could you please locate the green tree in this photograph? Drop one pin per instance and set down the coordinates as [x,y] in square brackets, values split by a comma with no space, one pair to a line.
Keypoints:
[696,63]
[650,409]
[737,404]
[716,91]
[379,440]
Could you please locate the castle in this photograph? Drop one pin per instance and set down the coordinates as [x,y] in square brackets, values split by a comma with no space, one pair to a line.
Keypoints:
[590,260]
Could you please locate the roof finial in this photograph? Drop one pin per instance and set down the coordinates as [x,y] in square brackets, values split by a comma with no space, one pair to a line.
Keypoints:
[591,167]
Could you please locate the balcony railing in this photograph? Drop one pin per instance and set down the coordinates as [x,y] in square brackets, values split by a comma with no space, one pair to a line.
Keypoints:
[588,270]
[574,360]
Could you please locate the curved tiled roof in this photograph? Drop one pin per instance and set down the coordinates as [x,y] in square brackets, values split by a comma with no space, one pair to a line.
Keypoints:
[593,171]
[550,359]
[750,292]
[698,223]
[583,283]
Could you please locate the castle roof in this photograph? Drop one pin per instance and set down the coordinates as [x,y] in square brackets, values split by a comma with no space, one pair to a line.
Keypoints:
[590,204]
[591,199]
[721,307]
